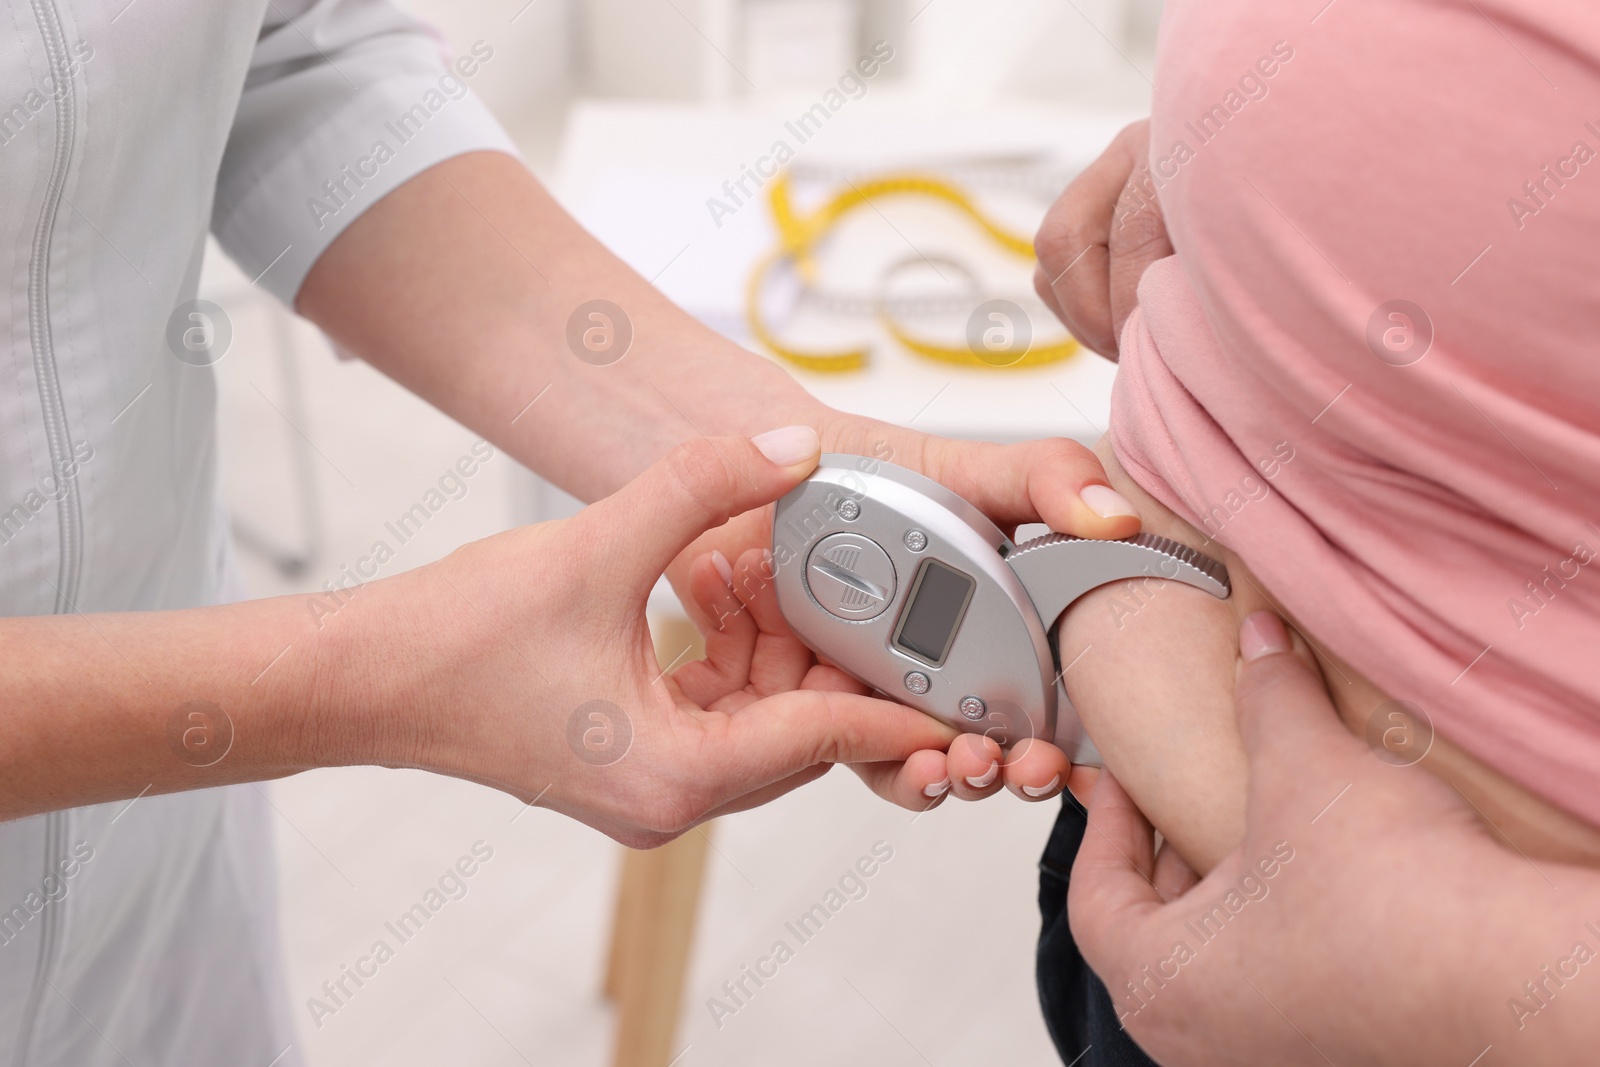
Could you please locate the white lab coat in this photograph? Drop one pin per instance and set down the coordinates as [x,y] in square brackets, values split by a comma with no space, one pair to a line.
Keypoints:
[128,129]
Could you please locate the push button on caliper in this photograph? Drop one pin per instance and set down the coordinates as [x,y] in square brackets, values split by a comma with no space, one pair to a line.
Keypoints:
[850,576]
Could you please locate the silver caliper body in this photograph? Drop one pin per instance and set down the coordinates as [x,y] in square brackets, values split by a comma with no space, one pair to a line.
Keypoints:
[909,588]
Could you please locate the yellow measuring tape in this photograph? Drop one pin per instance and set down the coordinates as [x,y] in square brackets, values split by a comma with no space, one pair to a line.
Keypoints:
[800,234]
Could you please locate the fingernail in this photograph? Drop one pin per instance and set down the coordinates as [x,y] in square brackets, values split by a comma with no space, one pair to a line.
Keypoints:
[724,568]
[1262,634]
[1043,790]
[788,445]
[987,779]
[1106,502]
[937,789]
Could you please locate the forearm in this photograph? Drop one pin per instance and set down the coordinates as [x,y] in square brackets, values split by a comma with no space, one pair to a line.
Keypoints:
[104,707]
[460,285]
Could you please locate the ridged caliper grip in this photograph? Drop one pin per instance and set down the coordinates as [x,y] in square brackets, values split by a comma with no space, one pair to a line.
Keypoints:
[1057,569]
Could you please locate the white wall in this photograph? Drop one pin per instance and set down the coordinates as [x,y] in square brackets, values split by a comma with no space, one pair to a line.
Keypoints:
[957,52]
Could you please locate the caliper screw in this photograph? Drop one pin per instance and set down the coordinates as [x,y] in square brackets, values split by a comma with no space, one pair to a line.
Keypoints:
[973,708]
[849,510]
[916,540]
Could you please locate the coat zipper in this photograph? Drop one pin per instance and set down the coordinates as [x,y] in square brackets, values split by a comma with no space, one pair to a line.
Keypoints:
[53,408]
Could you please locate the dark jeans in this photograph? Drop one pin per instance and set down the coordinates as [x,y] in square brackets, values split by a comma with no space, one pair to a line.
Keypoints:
[1077,1007]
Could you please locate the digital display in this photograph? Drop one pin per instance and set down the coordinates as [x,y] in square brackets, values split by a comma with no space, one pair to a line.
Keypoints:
[938,599]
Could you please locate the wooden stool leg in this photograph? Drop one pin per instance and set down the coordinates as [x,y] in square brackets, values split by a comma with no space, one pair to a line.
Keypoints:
[659,896]
[653,930]
[622,925]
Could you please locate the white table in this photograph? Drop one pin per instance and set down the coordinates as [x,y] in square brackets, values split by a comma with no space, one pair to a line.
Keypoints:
[638,176]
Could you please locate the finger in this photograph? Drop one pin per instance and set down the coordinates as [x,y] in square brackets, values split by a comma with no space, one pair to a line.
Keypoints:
[1080,783]
[1138,239]
[975,767]
[827,678]
[781,735]
[767,793]
[917,784]
[1173,876]
[1036,770]
[640,528]
[1110,891]
[1054,481]
[1041,285]
[732,538]
[1073,243]
[730,636]
[782,660]
[755,584]
[1290,728]
[1073,248]
[1081,291]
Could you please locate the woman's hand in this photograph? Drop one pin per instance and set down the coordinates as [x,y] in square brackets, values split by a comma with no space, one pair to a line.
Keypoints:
[1097,239]
[523,661]
[748,638]
[1368,917]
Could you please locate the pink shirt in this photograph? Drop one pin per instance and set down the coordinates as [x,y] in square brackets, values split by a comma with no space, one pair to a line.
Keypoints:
[1418,483]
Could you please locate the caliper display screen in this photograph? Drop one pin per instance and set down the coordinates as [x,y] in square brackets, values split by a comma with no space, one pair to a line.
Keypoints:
[933,612]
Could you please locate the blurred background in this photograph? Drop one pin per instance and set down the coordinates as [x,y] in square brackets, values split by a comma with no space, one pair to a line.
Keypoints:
[643,116]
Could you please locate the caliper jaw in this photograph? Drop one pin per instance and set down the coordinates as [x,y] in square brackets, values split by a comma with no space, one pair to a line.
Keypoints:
[1057,569]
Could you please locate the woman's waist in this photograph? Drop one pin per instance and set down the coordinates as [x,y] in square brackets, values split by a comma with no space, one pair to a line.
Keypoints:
[1401,734]
[1158,689]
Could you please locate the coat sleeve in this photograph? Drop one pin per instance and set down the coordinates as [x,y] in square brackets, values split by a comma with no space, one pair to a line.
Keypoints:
[344,101]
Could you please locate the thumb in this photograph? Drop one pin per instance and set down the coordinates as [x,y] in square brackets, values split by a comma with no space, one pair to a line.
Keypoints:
[1290,727]
[778,736]
[1110,893]
[700,484]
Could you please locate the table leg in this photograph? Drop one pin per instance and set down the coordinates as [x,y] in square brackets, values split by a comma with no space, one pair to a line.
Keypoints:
[657,901]
[653,929]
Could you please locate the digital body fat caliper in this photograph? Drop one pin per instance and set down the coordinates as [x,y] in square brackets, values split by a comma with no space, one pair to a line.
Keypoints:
[903,584]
